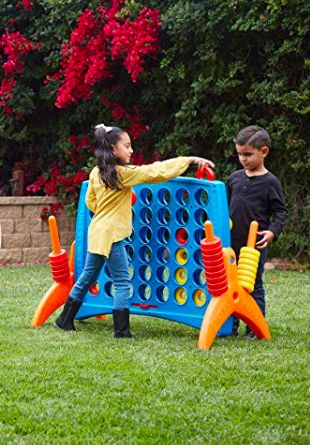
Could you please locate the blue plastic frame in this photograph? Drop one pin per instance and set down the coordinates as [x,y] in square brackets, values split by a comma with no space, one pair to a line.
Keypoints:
[184,199]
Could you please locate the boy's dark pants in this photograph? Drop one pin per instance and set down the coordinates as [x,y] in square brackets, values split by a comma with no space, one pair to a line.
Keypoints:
[259,292]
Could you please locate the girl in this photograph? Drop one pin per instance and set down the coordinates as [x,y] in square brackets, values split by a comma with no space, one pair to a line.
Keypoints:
[109,198]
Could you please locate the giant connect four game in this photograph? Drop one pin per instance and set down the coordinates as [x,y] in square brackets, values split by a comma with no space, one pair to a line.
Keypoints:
[168,279]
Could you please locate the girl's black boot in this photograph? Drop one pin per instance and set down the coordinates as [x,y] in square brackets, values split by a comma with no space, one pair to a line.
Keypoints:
[121,323]
[65,319]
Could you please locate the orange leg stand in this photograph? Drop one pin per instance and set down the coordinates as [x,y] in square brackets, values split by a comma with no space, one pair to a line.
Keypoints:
[239,303]
[101,317]
[248,311]
[219,309]
[235,301]
[52,300]
[57,293]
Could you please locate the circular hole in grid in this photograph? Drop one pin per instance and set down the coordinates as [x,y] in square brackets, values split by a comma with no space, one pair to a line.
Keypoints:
[145,272]
[199,297]
[133,215]
[201,216]
[163,274]
[145,253]
[146,195]
[94,289]
[144,292]
[182,196]
[163,215]
[146,215]
[200,277]
[131,291]
[199,235]
[163,235]
[131,271]
[197,257]
[130,238]
[106,271]
[133,197]
[164,196]
[162,294]
[163,255]
[182,216]
[181,256]
[145,234]
[180,296]
[108,288]
[181,276]
[130,252]
[201,197]
[181,235]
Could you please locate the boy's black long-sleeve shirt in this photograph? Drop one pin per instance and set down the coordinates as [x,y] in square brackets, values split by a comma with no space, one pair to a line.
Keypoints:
[258,198]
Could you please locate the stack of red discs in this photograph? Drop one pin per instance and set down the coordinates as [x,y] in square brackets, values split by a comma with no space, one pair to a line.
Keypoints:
[59,266]
[213,263]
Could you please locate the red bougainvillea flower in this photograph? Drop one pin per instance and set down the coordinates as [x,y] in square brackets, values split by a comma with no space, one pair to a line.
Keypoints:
[45,213]
[53,210]
[103,34]
[26,4]
[136,127]
[13,46]
[79,177]
[56,209]
[65,186]
[8,111]
[139,158]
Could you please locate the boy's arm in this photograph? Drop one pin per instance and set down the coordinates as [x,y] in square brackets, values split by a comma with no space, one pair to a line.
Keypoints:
[278,208]
[279,214]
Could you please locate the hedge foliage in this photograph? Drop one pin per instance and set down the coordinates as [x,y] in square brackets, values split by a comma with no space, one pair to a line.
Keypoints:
[222,65]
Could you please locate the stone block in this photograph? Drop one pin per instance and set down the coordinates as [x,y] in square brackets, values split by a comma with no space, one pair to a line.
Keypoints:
[33,254]
[67,248]
[32,212]
[10,256]
[66,238]
[25,225]
[15,240]
[25,237]
[11,211]
[40,239]
[22,226]
[45,226]
[24,200]
[63,224]
[7,225]
[72,224]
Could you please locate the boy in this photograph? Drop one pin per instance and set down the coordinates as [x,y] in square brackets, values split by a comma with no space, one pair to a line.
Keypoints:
[254,194]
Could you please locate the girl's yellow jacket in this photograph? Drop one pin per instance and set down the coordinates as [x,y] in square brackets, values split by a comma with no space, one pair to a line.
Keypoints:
[112,220]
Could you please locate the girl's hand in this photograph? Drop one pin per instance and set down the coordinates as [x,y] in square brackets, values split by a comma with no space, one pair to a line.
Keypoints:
[266,239]
[201,162]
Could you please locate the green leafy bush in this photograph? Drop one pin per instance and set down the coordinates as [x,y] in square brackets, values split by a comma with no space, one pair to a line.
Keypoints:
[222,66]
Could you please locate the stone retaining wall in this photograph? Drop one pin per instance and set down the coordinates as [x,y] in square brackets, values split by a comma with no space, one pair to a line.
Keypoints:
[24,237]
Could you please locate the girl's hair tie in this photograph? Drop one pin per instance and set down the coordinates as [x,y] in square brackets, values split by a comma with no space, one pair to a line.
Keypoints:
[107,129]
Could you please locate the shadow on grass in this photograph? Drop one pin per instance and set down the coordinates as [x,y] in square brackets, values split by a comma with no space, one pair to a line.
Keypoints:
[143,327]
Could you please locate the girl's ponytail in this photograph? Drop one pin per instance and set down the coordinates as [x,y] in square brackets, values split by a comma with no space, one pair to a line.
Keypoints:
[106,138]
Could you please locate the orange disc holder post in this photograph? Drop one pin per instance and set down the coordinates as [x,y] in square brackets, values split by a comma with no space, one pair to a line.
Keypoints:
[62,271]
[230,286]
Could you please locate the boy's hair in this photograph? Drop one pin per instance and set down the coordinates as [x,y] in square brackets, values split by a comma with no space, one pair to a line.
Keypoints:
[253,135]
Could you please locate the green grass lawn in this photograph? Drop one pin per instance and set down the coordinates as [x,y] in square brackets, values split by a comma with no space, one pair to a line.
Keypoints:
[88,388]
